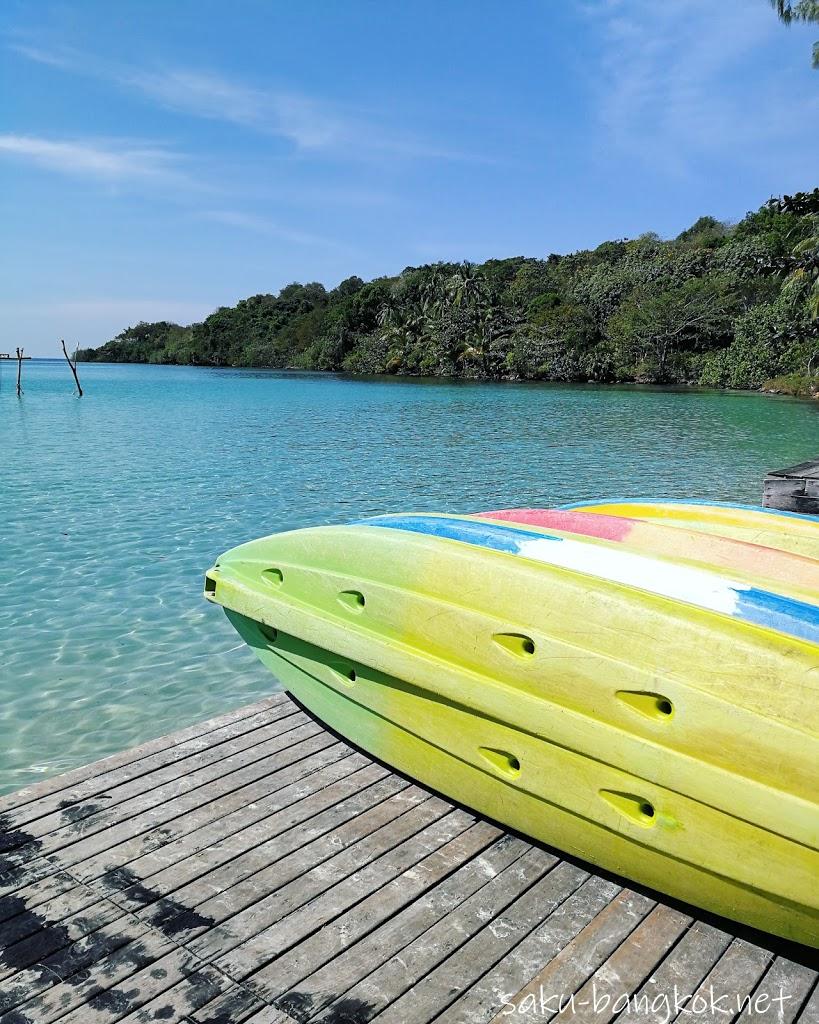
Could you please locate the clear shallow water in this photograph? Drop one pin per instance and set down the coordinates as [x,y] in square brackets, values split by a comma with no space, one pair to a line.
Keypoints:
[113,506]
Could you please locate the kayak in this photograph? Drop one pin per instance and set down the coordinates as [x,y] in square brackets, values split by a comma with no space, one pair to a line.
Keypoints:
[632,683]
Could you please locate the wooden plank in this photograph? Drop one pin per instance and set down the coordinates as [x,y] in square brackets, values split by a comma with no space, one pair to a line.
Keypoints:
[39,790]
[199,986]
[803,469]
[290,862]
[575,963]
[270,1015]
[236,1006]
[24,923]
[610,988]
[194,881]
[32,896]
[161,807]
[60,828]
[177,914]
[170,910]
[377,988]
[734,977]
[142,988]
[311,773]
[213,819]
[56,936]
[68,961]
[679,975]
[493,992]
[780,994]
[263,872]
[438,989]
[795,489]
[140,948]
[75,802]
[810,1012]
[315,972]
[259,932]
[364,917]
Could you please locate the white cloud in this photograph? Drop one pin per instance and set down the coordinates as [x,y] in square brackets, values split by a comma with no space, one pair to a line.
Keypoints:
[670,92]
[309,123]
[303,121]
[263,226]
[107,160]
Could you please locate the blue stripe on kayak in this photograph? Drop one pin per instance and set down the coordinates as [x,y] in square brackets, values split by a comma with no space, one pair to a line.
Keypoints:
[754,606]
[470,531]
[780,613]
[689,501]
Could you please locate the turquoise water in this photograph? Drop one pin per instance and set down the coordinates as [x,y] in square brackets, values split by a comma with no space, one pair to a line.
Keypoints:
[113,505]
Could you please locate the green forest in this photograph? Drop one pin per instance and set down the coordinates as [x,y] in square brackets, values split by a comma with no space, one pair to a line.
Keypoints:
[720,305]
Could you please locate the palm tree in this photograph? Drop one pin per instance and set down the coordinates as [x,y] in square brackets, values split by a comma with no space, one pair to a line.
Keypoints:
[799,10]
[467,286]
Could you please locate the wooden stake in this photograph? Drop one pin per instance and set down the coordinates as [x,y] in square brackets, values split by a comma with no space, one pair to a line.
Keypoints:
[19,370]
[73,367]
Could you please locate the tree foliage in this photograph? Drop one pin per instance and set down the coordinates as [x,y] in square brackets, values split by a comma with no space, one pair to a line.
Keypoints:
[719,304]
[799,10]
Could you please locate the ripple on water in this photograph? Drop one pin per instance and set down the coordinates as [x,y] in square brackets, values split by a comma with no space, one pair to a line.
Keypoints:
[112,507]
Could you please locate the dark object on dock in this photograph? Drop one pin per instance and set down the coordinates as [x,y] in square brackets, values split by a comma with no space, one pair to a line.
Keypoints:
[73,366]
[793,490]
[255,869]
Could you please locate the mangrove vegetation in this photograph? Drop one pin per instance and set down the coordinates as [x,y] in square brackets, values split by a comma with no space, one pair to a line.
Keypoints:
[721,305]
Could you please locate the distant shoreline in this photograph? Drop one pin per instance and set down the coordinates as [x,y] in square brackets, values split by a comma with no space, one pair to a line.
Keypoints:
[678,386]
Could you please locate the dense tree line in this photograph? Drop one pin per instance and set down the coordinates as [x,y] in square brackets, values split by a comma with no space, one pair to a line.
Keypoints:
[720,305]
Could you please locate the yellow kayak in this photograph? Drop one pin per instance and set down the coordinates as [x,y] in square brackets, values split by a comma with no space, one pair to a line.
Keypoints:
[634,683]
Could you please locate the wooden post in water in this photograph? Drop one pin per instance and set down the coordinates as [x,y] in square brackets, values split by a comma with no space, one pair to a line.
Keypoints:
[73,367]
[19,370]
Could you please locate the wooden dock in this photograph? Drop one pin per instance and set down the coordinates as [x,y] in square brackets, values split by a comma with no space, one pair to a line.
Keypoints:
[795,489]
[256,870]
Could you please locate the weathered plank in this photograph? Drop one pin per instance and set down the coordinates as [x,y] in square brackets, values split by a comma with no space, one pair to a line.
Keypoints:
[257,870]
[429,948]
[732,979]
[608,992]
[810,1013]
[553,986]
[675,980]
[53,832]
[269,926]
[499,934]
[498,986]
[162,745]
[329,963]
[780,994]
[795,489]
[72,803]
[157,808]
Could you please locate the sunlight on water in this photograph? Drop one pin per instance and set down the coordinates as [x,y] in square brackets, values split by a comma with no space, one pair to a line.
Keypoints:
[113,506]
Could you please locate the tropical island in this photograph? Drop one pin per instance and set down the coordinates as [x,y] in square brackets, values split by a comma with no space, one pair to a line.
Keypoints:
[721,305]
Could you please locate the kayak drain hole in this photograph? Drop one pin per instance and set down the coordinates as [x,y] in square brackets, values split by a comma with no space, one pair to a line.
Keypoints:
[274,576]
[504,762]
[352,675]
[210,585]
[353,600]
[631,806]
[515,643]
[652,705]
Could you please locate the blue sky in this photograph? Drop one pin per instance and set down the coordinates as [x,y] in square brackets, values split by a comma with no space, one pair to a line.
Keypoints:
[159,159]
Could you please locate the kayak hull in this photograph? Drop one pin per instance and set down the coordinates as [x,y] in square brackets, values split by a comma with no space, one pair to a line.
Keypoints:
[557,704]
